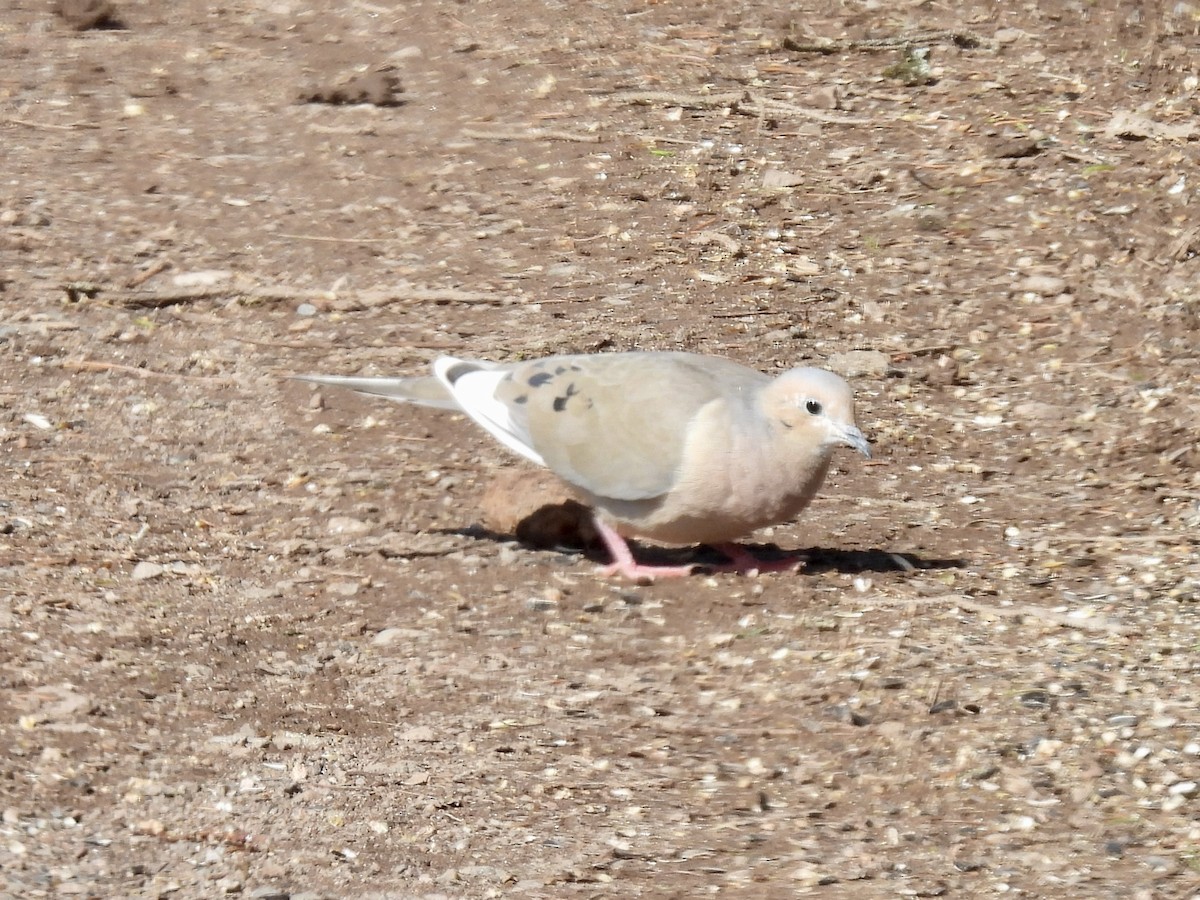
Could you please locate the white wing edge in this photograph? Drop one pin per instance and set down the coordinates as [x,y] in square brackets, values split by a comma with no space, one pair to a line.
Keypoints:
[475,391]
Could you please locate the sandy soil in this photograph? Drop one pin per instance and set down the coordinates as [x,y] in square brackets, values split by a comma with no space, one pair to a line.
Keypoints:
[259,641]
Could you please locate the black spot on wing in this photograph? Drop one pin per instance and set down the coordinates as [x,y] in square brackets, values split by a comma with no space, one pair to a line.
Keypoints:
[521,398]
[538,379]
[560,403]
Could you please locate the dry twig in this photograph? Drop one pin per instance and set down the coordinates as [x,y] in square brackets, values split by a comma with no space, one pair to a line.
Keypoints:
[737,101]
[1016,611]
[530,134]
[828,47]
[92,365]
[344,300]
[49,126]
[1025,610]
[160,265]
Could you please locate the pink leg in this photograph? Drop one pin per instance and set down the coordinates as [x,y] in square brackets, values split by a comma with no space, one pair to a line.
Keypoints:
[625,565]
[743,562]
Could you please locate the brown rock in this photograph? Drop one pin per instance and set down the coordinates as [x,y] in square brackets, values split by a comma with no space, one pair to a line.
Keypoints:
[538,508]
[84,14]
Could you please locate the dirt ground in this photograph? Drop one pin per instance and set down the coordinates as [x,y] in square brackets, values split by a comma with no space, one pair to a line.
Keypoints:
[260,641]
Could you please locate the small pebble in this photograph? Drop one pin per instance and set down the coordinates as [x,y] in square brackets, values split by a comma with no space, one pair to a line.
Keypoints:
[1045,285]
[347,525]
[390,636]
[144,571]
[857,363]
[1183,789]
[204,278]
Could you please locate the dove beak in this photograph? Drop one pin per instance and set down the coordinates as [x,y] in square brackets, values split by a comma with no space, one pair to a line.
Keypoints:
[852,437]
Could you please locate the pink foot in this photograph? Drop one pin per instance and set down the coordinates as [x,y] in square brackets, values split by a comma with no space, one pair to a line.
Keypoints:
[625,565]
[743,562]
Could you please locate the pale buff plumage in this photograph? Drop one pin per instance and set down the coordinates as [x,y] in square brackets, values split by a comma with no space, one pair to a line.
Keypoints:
[675,447]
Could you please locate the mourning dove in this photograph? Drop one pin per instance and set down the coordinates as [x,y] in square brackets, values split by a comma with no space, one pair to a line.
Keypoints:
[674,447]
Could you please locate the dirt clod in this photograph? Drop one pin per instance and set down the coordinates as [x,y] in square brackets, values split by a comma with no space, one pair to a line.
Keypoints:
[378,88]
[84,14]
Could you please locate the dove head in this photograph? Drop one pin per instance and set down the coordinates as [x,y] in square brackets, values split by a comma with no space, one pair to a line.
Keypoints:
[816,407]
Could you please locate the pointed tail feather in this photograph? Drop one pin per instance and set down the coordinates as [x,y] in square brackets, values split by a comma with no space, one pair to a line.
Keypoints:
[423,390]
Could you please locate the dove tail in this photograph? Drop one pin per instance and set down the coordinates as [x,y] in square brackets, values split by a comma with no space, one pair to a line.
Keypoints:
[423,390]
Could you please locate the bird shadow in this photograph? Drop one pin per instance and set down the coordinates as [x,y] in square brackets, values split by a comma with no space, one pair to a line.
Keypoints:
[813,559]
[876,559]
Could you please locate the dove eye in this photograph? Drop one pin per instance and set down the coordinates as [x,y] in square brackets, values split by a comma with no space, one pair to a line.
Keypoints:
[812,407]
